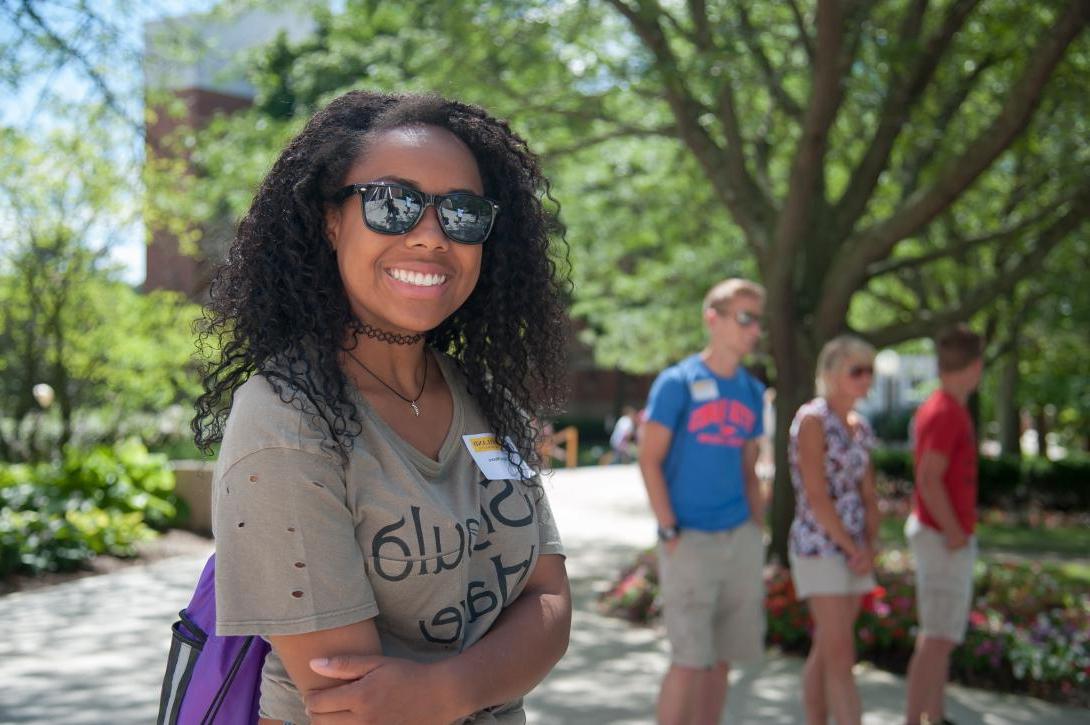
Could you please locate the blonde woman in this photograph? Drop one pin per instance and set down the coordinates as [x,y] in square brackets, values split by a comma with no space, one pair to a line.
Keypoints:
[836,524]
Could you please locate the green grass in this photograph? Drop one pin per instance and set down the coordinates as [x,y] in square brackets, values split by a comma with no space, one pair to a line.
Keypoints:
[1074,571]
[1059,542]
[1063,550]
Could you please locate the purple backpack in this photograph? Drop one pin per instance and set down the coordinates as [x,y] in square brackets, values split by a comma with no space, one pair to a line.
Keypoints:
[210,679]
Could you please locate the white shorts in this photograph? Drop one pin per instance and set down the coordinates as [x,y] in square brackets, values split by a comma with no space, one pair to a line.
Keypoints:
[826,575]
[944,582]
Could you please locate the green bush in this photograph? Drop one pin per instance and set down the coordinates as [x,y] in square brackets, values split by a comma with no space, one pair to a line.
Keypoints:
[1066,481]
[1000,480]
[1006,481]
[893,462]
[53,517]
[892,425]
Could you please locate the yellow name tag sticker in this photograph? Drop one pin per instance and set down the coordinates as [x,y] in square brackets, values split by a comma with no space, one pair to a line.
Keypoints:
[484,443]
[493,460]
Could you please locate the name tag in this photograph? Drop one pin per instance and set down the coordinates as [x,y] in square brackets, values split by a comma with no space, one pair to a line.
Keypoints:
[703,390]
[492,459]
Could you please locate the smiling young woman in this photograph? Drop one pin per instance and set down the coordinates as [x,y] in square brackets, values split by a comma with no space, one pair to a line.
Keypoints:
[377,517]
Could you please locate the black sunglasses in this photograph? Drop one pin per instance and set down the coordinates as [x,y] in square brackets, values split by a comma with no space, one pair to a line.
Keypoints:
[858,371]
[742,317]
[393,208]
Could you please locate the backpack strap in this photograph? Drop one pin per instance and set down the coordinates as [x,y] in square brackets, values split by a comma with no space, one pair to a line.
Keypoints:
[221,693]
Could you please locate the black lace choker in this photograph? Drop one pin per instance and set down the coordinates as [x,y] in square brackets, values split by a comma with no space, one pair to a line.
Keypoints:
[391,338]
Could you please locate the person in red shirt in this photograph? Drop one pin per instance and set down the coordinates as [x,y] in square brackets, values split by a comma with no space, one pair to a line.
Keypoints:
[940,528]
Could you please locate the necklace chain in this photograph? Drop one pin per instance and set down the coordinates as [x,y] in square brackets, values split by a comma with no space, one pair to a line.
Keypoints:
[412,402]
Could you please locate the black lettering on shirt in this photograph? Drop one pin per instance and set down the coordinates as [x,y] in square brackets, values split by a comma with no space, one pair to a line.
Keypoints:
[522,568]
[420,539]
[473,527]
[440,564]
[497,501]
[474,599]
[383,538]
[444,617]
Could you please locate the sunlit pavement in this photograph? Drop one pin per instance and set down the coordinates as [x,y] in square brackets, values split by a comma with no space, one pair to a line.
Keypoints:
[93,650]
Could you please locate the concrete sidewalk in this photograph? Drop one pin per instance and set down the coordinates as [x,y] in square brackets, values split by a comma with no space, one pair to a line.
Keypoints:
[93,650]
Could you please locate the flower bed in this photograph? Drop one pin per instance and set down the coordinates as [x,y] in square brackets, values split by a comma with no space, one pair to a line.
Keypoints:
[1028,631]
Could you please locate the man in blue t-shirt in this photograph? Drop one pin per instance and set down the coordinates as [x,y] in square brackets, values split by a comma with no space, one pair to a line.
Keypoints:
[698,455]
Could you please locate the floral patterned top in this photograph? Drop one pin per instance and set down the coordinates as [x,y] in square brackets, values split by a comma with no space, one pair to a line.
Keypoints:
[847,457]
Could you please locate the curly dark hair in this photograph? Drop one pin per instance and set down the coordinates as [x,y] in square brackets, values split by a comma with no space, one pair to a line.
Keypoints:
[278,307]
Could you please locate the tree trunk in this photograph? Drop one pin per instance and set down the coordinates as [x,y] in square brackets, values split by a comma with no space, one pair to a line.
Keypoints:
[794,386]
[1006,406]
[1042,431]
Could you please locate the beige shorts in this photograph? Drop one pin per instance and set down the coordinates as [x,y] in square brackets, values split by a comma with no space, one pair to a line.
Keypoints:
[944,582]
[713,596]
[826,575]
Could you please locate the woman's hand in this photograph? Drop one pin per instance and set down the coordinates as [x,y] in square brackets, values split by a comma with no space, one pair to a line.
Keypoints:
[861,560]
[380,691]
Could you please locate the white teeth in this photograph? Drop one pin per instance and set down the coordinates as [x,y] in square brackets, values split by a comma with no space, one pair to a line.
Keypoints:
[417,278]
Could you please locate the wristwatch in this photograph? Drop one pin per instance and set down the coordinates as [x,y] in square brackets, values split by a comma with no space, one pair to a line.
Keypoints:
[669,533]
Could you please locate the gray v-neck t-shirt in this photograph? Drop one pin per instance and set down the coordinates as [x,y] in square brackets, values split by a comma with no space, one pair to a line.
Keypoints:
[432,550]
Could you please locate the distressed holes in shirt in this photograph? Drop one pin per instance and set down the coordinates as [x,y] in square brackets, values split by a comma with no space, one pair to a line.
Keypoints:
[241,524]
[318,484]
[253,478]
[298,594]
[291,529]
[299,565]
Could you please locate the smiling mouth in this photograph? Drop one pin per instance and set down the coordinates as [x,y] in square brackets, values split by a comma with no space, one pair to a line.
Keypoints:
[417,279]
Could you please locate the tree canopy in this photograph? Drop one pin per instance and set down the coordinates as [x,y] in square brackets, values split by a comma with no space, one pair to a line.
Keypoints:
[66,319]
[886,166]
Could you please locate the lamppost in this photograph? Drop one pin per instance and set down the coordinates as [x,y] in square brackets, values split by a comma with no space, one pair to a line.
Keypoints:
[43,395]
[887,364]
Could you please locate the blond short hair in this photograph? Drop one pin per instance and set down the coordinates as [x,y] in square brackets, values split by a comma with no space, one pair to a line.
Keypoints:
[835,353]
[725,292]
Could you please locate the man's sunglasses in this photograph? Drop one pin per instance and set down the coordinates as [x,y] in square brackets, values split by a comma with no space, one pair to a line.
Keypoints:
[742,317]
[858,371]
[392,208]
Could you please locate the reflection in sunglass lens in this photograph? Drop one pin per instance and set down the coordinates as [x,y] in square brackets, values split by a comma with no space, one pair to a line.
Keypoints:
[392,209]
[465,217]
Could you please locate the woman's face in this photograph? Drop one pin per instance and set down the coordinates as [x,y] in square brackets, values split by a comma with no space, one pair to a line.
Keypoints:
[854,377]
[407,282]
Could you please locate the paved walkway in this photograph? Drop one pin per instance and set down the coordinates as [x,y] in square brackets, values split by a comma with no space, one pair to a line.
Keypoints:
[93,650]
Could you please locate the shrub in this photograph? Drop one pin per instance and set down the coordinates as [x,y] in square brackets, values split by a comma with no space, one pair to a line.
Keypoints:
[893,425]
[1007,481]
[55,516]
[893,462]
[1000,480]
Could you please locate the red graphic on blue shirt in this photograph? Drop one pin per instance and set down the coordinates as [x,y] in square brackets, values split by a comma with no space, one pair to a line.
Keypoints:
[722,423]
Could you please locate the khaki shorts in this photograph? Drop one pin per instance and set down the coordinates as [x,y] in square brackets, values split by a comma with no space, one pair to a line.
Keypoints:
[944,582]
[713,596]
[827,575]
